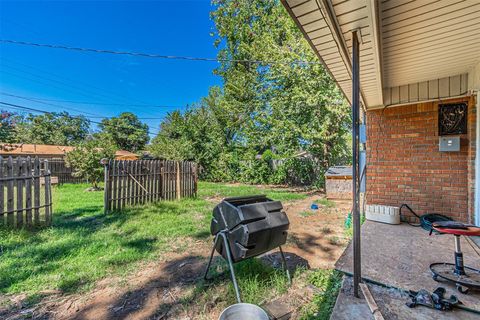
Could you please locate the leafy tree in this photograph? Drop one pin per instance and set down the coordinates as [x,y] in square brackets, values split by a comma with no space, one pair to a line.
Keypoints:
[196,135]
[52,128]
[266,113]
[85,160]
[126,131]
[286,105]
[7,126]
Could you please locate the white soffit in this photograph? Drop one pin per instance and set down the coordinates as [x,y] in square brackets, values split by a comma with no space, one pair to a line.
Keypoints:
[429,39]
[404,42]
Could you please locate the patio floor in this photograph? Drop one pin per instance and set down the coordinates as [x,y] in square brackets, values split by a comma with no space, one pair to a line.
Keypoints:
[399,256]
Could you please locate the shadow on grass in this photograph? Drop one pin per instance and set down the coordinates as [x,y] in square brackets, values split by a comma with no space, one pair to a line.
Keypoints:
[179,288]
[84,238]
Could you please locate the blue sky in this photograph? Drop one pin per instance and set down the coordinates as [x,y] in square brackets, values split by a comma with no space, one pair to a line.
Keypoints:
[163,27]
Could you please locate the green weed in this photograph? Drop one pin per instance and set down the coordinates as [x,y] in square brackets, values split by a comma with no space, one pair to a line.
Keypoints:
[328,283]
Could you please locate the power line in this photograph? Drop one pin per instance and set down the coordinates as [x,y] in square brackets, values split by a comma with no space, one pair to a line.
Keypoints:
[16,106]
[91,115]
[140,118]
[102,103]
[69,86]
[46,103]
[150,55]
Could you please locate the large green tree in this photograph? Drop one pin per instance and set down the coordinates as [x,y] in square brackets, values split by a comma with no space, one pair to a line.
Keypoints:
[276,102]
[126,131]
[288,102]
[52,128]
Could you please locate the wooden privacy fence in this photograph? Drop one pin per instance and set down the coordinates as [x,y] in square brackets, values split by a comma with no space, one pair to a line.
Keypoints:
[25,192]
[130,183]
[58,168]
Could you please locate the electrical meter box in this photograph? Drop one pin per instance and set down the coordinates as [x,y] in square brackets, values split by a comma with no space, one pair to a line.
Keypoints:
[449,144]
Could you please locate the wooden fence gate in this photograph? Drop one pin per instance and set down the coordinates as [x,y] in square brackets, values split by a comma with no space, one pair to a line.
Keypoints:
[130,183]
[25,192]
[58,168]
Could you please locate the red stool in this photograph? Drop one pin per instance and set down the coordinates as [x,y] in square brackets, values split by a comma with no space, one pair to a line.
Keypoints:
[464,277]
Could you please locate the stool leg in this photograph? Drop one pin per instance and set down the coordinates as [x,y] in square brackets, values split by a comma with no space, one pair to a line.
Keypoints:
[459,268]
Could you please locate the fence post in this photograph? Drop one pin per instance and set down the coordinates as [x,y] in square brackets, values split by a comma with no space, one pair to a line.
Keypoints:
[28,192]
[10,186]
[179,191]
[106,186]
[19,172]
[195,179]
[48,199]
[36,191]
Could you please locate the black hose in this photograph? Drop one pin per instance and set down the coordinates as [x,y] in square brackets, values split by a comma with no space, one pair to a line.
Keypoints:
[413,212]
[426,220]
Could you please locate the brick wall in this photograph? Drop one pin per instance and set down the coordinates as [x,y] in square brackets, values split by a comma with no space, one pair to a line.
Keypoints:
[405,166]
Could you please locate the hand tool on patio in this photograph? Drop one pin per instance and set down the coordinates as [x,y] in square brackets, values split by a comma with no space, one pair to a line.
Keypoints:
[437,300]
[464,277]
[246,227]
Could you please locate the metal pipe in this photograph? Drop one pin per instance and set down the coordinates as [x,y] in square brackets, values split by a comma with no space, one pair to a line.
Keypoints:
[230,265]
[458,249]
[284,265]
[357,277]
[477,162]
[226,247]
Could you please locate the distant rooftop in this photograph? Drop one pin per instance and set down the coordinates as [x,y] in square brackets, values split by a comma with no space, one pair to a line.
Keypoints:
[23,149]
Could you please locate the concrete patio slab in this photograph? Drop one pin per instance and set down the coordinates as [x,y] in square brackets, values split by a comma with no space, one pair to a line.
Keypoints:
[391,303]
[399,256]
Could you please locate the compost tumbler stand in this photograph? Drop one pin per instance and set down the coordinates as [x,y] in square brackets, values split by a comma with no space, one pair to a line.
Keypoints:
[230,262]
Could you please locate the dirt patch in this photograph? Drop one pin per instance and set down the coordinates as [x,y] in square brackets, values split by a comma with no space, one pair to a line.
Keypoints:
[166,289]
[318,236]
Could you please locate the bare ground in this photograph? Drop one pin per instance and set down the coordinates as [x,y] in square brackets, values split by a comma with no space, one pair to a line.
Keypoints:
[165,289]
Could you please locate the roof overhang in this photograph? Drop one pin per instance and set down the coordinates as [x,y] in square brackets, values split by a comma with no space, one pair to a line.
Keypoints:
[411,51]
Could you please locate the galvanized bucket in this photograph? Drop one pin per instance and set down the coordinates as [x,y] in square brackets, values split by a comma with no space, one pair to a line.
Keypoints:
[243,311]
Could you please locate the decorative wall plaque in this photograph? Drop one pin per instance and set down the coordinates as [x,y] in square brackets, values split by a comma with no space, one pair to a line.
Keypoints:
[452,119]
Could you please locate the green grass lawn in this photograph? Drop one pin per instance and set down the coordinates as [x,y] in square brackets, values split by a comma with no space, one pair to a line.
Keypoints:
[84,245]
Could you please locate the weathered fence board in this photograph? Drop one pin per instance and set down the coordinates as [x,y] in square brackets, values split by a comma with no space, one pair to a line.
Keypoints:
[130,183]
[20,181]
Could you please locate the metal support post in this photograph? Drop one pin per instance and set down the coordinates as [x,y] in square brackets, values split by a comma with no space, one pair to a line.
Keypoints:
[355,163]
[285,267]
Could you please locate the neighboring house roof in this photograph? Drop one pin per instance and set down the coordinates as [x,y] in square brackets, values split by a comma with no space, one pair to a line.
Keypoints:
[125,155]
[33,149]
[339,171]
[22,149]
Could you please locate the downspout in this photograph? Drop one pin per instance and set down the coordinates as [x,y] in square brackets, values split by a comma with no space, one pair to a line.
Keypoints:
[477,160]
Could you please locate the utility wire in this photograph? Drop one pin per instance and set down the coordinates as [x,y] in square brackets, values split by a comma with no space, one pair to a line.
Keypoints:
[151,55]
[78,89]
[100,103]
[16,106]
[46,103]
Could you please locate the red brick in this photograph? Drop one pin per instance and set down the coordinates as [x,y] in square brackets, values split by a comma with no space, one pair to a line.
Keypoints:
[405,166]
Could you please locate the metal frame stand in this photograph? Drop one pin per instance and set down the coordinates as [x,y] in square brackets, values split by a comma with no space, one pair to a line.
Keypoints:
[230,262]
[459,267]
[456,272]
